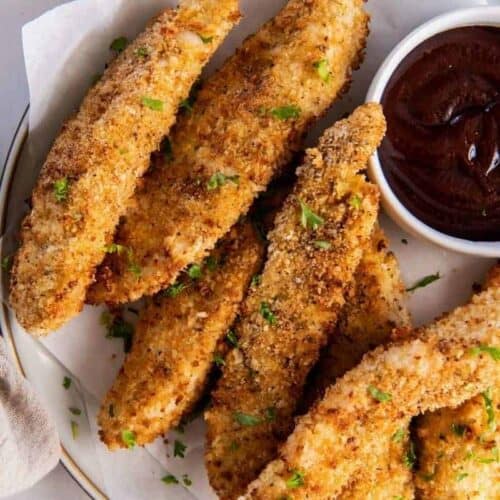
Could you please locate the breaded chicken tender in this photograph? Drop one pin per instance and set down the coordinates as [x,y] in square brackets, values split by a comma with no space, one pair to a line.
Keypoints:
[176,339]
[247,121]
[459,448]
[443,365]
[94,165]
[315,248]
[374,308]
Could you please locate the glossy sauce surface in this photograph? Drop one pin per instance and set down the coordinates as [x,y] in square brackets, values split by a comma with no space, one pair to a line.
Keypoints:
[441,153]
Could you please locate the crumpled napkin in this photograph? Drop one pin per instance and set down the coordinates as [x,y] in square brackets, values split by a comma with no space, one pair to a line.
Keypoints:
[29,443]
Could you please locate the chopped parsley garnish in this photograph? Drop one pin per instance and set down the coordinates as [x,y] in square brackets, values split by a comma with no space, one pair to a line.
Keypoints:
[398,436]
[296,480]
[493,351]
[322,245]
[128,438]
[409,458]
[461,476]
[142,52]
[61,189]
[458,429]
[308,218]
[153,104]
[116,248]
[186,480]
[219,360]
[179,449]
[75,411]
[490,411]
[188,103]
[495,457]
[231,338]
[118,328]
[379,395]
[66,382]
[170,479]
[427,280]
[219,179]
[119,44]
[256,279]
[194,271]
[134,268]
[322,70]
[205,39]
[270,414]
[74,429]
[166,149]
[285,112]
[267,313]
[356,201]
[174,290]
[6,262]
[246,420]
[211,263]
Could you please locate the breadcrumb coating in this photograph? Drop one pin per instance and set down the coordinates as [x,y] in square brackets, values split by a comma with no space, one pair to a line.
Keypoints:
[437,368]
[94,164]
[458,449]
[284,322]
[175,342]
[248,120]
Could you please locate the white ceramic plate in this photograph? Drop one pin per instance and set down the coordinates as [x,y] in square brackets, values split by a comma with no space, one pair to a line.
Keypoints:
[79,350]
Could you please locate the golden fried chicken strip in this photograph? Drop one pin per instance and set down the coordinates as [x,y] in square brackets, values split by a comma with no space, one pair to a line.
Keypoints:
[94,164]
[315,248]
[247,121]
[459,448]
[175,342]
[438,367]
[375,307]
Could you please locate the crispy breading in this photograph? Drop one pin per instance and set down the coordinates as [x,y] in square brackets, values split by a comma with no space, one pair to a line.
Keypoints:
[285,321]
[375,306]
[175,342]
[248,120]
[459,448]
[438,367]
[95,162]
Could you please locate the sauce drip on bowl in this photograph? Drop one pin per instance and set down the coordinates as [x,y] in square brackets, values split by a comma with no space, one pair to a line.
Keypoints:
[441,153]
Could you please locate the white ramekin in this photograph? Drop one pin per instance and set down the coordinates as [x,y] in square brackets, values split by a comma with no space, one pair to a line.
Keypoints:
[485,16]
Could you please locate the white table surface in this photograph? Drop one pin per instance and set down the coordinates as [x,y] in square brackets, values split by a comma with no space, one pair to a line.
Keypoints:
[58,485]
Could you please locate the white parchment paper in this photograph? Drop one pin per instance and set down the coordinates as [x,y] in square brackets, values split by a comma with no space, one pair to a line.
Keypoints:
[63,51]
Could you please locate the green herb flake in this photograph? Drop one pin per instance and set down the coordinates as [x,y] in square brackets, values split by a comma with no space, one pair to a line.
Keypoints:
[166,149]
[219,360]
[61,189]
[490,410]
[129,438]
[179,449]
[322,69]
[379,395]
[194,271]
[66,382]
[231,338]
[410,458]
[246,420]
[205,39]
[6,262]
[188,103]
[427,280]
[461,475]
[493,351]
[219,179]
[186,480]
[174,290]
[142,52]
[211,263]
[134,268]
[75,430]
[118,328]
[270,414]
[398,436]
[153,104]
[459,429]
[285,112]
[308,218]
[267,313]
[356,201]
[170,479]
[234,446]
[256,280]
[116,248]
[322,245]
[428,476]
[118,44]
[296,480]
[75,411]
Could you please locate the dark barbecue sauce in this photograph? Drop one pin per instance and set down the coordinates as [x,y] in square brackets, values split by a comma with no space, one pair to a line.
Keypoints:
[441,153]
